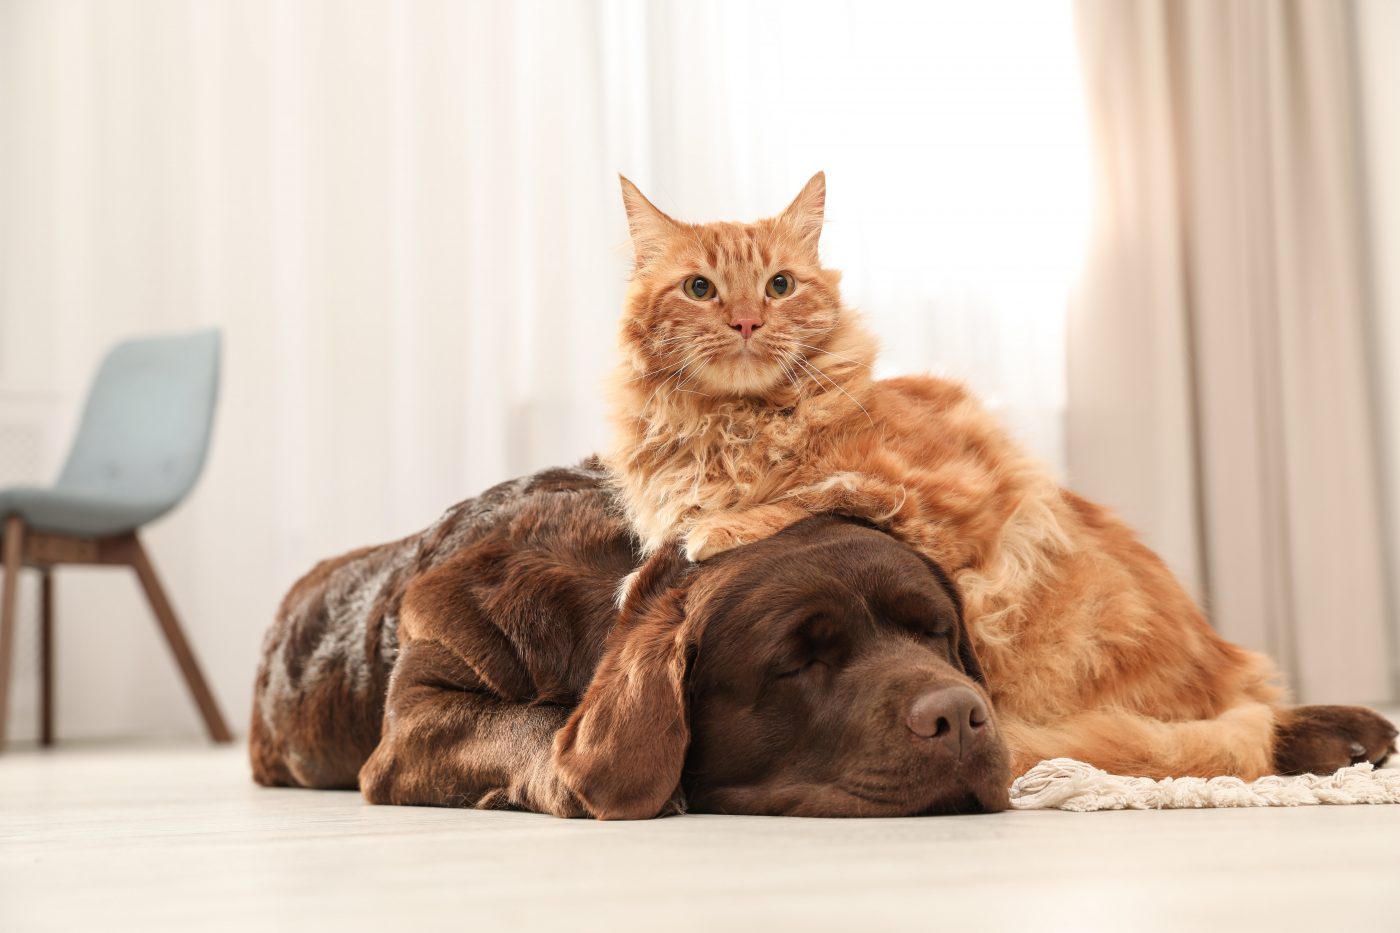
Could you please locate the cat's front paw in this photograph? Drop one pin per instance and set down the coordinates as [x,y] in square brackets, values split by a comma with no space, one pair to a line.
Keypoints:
[719,532]
[707,539]
[703,542]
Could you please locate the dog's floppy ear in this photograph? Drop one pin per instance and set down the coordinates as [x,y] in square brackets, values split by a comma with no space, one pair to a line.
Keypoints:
[967,657]
[622,750]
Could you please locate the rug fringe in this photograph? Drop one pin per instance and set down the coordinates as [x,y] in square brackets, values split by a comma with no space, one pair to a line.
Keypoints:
[1066,784]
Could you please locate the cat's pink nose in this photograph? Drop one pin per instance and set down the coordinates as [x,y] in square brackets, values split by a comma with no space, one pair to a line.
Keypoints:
[746,325]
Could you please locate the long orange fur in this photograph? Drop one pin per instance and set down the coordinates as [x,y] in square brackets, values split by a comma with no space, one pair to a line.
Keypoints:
[1092,649]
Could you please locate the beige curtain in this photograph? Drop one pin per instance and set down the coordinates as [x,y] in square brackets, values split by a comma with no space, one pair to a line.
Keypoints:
[1218,372]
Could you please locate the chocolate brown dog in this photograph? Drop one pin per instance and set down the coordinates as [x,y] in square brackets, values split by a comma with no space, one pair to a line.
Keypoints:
[483,663]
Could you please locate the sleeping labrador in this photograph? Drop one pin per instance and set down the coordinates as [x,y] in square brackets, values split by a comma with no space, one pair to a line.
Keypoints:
[483,663]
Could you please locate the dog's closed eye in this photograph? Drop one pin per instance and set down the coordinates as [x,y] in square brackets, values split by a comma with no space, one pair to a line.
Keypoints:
[805,667]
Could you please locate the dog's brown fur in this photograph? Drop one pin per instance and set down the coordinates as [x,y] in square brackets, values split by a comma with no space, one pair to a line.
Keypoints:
[779,676]
[1092,648]
[326,661]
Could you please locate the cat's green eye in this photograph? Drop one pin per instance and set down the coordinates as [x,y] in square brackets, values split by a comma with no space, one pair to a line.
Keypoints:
[779,286]
[699,288]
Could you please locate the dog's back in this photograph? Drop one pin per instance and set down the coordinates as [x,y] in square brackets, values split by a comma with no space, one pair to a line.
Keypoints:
[319,697]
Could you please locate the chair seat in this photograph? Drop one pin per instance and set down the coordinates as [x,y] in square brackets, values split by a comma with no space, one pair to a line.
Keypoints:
[79,513]
[140,447]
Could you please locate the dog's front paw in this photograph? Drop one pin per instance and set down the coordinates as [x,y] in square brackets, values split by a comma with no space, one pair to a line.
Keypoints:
[675,805]
[1323,739]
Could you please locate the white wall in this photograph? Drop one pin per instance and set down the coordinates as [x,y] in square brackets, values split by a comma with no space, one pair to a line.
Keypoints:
[1378,37]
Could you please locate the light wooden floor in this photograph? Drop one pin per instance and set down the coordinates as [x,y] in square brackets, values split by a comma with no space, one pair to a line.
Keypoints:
[180,839]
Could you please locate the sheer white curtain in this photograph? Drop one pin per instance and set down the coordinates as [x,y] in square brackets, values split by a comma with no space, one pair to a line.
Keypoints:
[405,218]
[953,140]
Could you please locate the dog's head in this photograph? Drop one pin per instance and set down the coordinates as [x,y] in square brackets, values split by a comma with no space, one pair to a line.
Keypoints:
[824,671]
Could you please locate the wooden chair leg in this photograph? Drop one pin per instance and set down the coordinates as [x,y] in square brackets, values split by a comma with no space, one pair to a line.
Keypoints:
[9,597]
[46,657]
[213,719]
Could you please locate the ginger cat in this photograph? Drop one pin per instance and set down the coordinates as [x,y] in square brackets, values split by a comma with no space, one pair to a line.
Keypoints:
[745,402]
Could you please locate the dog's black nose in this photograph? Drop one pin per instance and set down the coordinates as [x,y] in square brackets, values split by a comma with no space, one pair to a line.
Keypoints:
[953,717]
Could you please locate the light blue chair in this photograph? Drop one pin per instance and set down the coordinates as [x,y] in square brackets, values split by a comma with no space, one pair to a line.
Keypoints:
[140,448]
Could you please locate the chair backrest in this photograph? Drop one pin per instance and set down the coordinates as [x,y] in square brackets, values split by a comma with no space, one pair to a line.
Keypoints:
[145,429]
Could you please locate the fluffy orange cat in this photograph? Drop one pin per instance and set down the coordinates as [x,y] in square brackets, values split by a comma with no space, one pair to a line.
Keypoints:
[745,402]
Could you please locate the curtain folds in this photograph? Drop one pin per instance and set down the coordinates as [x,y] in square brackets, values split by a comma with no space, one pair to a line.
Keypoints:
[1219,389]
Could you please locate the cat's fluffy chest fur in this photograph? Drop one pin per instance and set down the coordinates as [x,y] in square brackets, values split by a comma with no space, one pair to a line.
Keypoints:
[677,462]
[681,455]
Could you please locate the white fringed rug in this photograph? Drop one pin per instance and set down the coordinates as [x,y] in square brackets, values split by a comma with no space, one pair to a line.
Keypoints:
[1066,784]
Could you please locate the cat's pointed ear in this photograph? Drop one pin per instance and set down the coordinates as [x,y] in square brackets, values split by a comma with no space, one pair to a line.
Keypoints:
[807,210]
[649,226]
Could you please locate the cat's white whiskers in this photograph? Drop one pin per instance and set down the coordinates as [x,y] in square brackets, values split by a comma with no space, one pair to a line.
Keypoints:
[642,412]
[810,367]
[699,355]
[652,373]
[694,374]
[787,371]
[829,353]
[821,385]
